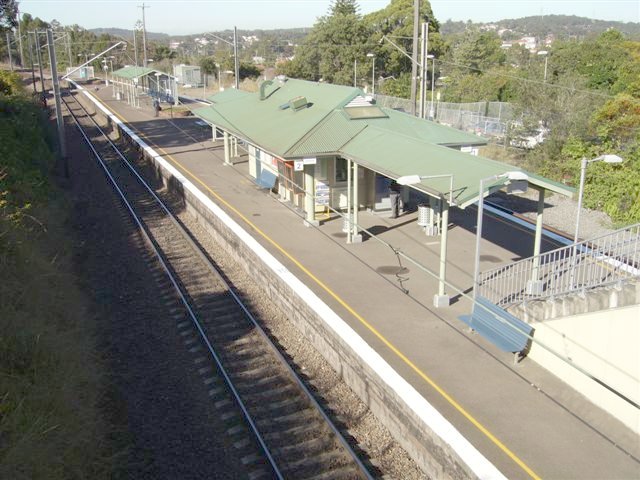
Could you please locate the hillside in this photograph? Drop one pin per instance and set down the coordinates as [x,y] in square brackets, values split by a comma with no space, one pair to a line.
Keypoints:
[560,26]
[122,32]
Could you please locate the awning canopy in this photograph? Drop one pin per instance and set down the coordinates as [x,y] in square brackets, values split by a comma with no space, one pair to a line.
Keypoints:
[392,143]
[130,73]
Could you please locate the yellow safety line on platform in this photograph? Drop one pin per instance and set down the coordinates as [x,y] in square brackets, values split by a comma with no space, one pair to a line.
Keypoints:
[370,327]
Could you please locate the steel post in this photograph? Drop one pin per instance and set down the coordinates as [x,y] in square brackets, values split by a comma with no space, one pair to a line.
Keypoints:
[56,93]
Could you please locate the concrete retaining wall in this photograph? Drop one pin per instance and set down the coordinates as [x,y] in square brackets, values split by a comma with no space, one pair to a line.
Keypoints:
[438,448]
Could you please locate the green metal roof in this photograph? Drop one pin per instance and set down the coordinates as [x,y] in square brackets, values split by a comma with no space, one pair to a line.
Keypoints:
[270,123]
[426,130]
[136,72]
[331,134]
[398,155]
[228,95]
[395,144]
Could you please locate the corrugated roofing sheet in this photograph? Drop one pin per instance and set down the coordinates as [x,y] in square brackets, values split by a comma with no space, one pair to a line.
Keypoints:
[136,72]
[228,95]
[394,146]
[331,134]
[277,129]
[399,155]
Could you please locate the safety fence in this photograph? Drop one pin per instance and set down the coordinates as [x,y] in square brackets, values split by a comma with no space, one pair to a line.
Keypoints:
[606,260]
[484,118]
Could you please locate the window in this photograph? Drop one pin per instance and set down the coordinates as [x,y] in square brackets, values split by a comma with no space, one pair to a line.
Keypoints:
[341,170]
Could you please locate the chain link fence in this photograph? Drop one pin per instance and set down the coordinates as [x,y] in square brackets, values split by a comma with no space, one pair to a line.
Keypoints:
[483,118]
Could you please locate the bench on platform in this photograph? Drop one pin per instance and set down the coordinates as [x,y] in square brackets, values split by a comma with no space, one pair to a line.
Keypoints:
[507,332]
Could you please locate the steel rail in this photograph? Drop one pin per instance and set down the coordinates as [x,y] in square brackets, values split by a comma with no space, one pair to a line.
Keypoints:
[207,262]
[175,284]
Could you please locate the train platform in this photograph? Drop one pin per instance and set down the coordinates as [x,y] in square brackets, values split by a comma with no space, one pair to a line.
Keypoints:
[520,417]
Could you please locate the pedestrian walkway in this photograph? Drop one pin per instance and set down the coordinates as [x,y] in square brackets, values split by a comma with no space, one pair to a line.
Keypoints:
[520,417]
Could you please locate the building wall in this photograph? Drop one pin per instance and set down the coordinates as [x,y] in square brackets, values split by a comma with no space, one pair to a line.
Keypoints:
[604,343]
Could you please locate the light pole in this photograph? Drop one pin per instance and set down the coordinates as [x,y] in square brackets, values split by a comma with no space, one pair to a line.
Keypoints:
[511,176]
[234,44]
[433,85]
[441,299]
[583,168]
[546,59]
[373,74]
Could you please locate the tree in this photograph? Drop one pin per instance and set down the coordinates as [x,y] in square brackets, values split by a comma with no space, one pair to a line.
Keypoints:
[396,22]
[343,7]
[8,14]
[208,65]
[330,50]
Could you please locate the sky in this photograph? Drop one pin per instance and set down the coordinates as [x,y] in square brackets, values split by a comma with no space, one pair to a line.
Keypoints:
[177,17]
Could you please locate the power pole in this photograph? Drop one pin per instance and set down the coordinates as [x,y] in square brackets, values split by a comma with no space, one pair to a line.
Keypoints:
[423,68]
[20,39]
[56,93]
[144,35]
[9,50]
[135,44]
[33,71]
[39,56]
[67,40]
[235,56]
[414,54]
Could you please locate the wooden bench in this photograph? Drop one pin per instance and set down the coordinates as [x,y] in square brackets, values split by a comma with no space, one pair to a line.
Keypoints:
[507,332]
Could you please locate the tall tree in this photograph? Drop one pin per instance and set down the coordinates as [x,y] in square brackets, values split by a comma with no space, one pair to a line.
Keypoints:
[343,7]
[8,14]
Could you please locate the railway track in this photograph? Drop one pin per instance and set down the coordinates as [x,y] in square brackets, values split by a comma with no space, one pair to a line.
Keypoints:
[288,435]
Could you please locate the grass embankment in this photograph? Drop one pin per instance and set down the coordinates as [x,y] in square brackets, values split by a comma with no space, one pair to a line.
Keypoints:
[50,420]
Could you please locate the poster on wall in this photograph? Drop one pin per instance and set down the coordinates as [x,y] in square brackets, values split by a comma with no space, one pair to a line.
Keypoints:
[322,194]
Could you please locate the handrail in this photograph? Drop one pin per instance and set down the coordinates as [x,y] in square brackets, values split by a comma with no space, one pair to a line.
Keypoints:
[605,260]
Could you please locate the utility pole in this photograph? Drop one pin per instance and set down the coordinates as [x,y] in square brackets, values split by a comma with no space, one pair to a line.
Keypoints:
[414,54]
[144,35]
[39,56]
[67,41]
[9,50]
[20,39]
[235,56]
[135,43]
[56,93]
[423,68]
[33,71]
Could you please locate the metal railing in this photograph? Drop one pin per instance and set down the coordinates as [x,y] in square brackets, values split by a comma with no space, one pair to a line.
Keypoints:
[606,260]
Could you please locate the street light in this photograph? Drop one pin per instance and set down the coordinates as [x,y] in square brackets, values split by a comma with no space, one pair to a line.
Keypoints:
[441,299]
[583,168]
[546,59]
[373,74]
[513,176]
[433,85]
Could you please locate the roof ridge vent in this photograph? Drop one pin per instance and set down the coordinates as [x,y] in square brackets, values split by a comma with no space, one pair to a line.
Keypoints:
[298,103]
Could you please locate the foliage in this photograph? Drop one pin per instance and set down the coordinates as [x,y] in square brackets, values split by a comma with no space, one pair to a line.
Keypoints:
[562,27]
[248,70]
[8,14]
[396,23]
[208,65]
[330,50]
[50,423]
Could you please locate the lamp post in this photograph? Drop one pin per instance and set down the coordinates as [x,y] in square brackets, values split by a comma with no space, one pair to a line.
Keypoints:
[433,85]
[546,59]
[441,299]
[373,73]
[583,168]
[511,176]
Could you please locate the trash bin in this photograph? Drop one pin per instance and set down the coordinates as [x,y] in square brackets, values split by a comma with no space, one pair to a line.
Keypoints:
[424,215]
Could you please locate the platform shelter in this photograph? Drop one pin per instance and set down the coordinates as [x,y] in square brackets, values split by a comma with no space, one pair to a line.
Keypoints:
[129,83]
[330,148]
